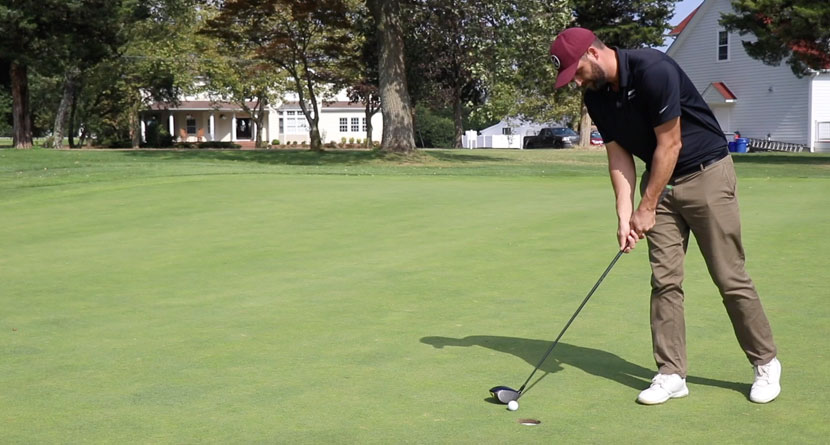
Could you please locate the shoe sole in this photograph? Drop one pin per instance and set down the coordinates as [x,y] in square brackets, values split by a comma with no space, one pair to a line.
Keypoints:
[762,401]
[682,393]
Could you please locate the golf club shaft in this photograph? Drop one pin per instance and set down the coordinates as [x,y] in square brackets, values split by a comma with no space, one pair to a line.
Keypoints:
[555,342]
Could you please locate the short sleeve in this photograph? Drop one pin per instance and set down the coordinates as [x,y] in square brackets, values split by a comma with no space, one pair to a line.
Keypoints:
[662,93]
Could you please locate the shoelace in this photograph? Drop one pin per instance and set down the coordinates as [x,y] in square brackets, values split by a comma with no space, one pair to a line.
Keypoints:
[659,380]
[762,374]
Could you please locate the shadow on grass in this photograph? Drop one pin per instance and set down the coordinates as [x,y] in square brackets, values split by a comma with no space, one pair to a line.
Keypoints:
[462,156]
[593,361]
[270,157]
[311,158]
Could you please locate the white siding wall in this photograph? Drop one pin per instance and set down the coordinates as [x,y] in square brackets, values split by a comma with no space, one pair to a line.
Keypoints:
[820,109]
[771,100]
[330,125]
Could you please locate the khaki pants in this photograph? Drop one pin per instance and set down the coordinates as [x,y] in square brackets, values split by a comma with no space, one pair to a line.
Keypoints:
[705,203]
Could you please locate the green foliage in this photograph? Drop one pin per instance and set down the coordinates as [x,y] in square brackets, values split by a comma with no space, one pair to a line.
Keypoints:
[313,42]
[626,24]
[5,113]
[797,31]
[157,136]
[433,130]
[518,76]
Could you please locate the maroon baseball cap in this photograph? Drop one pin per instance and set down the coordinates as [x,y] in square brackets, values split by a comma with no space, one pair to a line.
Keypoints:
[567,49]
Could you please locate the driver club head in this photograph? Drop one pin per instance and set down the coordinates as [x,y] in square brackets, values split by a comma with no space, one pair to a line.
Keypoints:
[504,394]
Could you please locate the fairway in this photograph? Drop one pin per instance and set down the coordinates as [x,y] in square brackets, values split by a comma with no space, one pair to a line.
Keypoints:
[350,297]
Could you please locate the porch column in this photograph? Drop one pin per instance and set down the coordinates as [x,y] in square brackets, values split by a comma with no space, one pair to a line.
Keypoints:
[212,127]
[143,131]
[233,128]
[172,127]
[253,130]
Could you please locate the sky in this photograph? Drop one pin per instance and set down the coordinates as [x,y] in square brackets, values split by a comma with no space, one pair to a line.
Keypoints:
[682,9]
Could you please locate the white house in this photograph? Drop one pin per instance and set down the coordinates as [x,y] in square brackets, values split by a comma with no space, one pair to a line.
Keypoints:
[757,100]
[508,133]
[198,119]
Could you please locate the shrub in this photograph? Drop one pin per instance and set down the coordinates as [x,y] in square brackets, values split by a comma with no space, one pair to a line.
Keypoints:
[433,130]
[217,144]
[275,142]
[157,136]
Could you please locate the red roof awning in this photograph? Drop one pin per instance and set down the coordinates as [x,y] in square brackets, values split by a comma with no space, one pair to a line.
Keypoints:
[724,91]
[719,93]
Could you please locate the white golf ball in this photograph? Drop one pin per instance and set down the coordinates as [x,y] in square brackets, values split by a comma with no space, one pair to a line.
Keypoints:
[513,405]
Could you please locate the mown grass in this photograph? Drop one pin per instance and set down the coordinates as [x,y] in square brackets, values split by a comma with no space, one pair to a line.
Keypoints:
[352,297]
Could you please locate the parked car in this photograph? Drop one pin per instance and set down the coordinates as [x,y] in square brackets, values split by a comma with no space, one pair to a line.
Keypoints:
[553,137]
[596,138]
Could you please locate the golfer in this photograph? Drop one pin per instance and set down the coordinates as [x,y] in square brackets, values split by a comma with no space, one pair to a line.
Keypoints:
[644,105]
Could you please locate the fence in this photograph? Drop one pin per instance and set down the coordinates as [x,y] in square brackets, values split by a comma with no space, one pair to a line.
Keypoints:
[765,145]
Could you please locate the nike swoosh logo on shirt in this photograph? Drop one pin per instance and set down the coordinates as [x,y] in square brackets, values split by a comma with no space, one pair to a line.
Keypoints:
[663,109]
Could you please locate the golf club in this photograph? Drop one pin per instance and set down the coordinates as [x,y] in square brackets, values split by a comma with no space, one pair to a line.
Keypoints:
[505,394]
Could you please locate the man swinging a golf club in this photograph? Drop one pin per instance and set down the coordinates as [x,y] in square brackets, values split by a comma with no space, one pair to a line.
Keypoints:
[644,105]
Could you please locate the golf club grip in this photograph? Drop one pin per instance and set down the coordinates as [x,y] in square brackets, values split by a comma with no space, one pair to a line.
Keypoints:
[584,301]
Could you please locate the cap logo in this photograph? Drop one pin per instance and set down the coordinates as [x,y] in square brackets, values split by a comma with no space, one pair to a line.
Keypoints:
[556,62]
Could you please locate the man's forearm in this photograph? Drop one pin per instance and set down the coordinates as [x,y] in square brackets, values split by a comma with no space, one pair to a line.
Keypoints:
[662,164]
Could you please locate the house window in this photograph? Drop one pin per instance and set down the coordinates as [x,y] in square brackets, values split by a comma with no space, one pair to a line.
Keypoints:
[823,131]
[344,124]
[723,45]
[507,130]
[191,125]
[295,122]
[363,120]
[355,124]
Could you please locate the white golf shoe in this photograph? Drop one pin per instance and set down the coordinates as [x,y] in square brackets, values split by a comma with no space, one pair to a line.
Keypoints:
[663,387]
[767,384]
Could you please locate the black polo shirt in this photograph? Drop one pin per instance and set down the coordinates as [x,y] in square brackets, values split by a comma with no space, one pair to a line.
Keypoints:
[654,90]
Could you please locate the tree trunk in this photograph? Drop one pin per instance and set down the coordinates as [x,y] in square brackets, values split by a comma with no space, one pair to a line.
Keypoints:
[72,110]
[584,126]
[314,134]
[20,108]
[70,85]
[398,131]
[135,127]
[369,114]
[458,118]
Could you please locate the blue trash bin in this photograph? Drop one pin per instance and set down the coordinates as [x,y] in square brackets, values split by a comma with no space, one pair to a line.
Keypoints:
[732,146]
[741,145]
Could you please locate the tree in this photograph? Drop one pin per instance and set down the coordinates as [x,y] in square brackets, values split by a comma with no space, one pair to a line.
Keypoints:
[795,30]
[91,30]
[398,135]
[311,41]
[449,43]
[364,88]
[233,74]
[155,64]
[518,77]
[623,24]
[21,25]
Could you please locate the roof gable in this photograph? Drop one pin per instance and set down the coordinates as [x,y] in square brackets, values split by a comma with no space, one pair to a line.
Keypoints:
[718,92]
[682,25]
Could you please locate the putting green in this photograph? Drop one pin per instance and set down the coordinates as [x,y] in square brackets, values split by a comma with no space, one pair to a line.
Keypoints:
[230,297]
